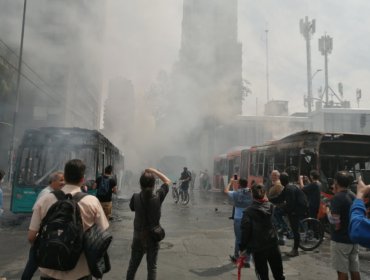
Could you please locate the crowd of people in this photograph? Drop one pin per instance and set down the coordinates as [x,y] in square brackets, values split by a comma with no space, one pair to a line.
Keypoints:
[97,210]
[258,218]
[259,221]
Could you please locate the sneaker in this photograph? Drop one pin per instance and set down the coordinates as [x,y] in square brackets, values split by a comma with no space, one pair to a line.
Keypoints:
[233,259]
[293,253]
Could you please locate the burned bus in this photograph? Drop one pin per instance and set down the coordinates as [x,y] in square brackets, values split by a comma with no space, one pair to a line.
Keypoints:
[46,150]
[307,150]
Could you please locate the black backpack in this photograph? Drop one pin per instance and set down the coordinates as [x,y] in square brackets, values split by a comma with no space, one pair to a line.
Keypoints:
[103,187]
[59,243]
[96,243]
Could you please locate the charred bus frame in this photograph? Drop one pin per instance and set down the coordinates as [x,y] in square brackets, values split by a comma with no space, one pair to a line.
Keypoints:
[46,150]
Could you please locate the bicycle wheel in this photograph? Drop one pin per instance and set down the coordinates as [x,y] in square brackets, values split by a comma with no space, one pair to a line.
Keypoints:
[175,195]
[311,234]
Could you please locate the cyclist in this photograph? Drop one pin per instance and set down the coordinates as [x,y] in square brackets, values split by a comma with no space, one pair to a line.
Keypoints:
[185,180]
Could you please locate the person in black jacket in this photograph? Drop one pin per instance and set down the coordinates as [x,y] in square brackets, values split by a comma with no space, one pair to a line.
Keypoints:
[258,236]
[147,207]
[295,204]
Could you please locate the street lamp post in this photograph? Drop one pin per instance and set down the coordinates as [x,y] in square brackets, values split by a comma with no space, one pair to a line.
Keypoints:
[314,74]
[17,93]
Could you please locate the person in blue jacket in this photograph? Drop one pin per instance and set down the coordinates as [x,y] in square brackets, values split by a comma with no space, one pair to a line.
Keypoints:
[241,197]
[359,224]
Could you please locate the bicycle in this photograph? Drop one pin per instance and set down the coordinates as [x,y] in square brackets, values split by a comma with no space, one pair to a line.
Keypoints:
[311,233]
[175,192]
[178,193]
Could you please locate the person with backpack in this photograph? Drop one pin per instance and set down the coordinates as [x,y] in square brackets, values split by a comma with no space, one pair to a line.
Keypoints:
[106,185]
[58,222]
[56,182]
[147,208]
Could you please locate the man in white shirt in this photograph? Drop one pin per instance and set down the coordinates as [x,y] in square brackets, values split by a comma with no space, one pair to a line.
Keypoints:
[91,213]
[56,182]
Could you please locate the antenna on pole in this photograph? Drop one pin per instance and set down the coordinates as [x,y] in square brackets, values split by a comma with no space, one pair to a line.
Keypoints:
[325,47]
[307,29]
[267,67]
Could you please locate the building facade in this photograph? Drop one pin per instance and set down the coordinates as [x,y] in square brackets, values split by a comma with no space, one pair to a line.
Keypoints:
[61,77]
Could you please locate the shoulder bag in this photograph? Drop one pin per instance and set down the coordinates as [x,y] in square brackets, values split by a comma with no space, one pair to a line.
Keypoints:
[156,232]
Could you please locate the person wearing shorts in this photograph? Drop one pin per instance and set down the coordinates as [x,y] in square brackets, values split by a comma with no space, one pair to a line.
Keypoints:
[345,257]
[344,253]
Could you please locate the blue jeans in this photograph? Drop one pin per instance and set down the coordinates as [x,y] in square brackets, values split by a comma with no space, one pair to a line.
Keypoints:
[238,236]
[278,220]
[31,265]
[138,249]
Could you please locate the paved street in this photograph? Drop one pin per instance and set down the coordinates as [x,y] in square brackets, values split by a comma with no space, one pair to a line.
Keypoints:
[199,238]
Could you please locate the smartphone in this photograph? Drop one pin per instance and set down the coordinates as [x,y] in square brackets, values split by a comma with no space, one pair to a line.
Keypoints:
[365,175]
[235,177]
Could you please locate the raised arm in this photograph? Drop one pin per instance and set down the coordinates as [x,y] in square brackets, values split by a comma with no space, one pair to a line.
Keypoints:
[359,225]
[160,175]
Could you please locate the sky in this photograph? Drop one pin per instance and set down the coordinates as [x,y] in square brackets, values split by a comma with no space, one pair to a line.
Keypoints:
[144,37]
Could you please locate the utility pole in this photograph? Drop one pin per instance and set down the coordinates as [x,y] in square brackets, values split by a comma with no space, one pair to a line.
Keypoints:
[307,29]
[16,109]
[325,47]
[267,67]
[358,97]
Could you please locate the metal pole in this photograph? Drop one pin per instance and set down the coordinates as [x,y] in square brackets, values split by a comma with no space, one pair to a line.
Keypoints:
[326,81]
[307,29]
[17,93]
[309,76]
[267,68]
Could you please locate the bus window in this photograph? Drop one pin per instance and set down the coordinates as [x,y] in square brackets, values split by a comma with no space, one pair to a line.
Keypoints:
[39,155]
[254,166]
[260,163]
[279,163]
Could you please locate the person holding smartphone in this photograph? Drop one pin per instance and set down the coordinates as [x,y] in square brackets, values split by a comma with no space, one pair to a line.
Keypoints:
[241,198]
[359,224]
